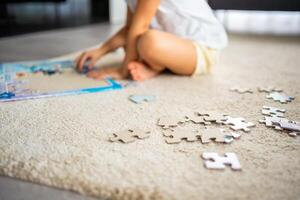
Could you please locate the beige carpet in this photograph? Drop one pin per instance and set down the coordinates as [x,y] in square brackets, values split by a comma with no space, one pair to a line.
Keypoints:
[63,142]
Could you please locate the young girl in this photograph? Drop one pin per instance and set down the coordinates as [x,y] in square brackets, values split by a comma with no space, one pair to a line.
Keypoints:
[182,36]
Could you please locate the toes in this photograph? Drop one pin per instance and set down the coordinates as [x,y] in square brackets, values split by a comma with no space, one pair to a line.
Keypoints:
[135,75]
[132,65]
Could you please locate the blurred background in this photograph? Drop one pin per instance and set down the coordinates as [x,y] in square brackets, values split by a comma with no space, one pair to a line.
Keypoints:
[244,16]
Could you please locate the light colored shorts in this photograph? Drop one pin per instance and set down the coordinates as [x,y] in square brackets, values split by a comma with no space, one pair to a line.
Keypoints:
[206,59]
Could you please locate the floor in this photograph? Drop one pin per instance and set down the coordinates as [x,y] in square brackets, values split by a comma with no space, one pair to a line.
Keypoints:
[270,160]
[21,48]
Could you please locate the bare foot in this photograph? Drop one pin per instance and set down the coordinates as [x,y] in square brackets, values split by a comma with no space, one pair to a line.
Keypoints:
[114,73]
[140,71]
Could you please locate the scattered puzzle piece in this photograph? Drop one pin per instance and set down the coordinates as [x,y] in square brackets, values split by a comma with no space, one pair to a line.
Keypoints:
[272,122]
[214,161]
[180,134]
[130,84]
[197,119]
[241,90]
[129,135]
[281,97]
[272,111]
[216,134]
[288,125]
[213,117]
[269,89]
[294,134]
[141,98]
[167,122]
[238,123]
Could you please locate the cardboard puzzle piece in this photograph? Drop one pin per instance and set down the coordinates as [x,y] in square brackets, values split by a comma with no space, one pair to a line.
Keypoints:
[241,90]
[238,123]
[288,125]
[269,89]
[176,136]
[270,121]
[218,135]
[294,134]
[141,98]
[272,111]
[281,97]
[167,122]
[197,119]
[213,117]
[214,161]
[130,135]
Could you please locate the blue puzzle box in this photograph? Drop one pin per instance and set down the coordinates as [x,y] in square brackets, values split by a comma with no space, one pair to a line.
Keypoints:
[14,88]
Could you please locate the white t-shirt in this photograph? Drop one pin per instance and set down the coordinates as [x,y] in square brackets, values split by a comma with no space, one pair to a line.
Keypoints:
[190,19]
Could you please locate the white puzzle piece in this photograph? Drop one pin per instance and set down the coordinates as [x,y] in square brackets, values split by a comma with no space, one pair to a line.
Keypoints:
[281,97]
[216,134]
[288,125]
[197,119]
[128,136]
[214,161]
[213,117]
[180,134]
[167,122]
[241,90]
[141,98]
[269,89]
[238,123]
[272,111]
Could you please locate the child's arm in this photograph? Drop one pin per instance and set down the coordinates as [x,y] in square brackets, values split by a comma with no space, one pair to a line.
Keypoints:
[140,22]
[116,41]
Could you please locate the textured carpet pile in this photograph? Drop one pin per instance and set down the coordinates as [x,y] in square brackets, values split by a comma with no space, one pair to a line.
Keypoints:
[63,142]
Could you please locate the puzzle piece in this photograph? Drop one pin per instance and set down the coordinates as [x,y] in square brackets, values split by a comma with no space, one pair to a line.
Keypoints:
[238,123]
[141,98]
[180,134]
[271,111]
[85,68]
[214,161]
[281,97]
[197,119]
[294,134]
[213,117]
[130,84]
[167,122]
[288,125]
[241,90]
[129,135]
[269,89]
[216,134]
[269,122]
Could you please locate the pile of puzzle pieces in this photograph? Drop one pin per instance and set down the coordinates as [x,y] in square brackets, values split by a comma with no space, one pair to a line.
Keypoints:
[213,126]
[176,131]
[273,93]
[274,117]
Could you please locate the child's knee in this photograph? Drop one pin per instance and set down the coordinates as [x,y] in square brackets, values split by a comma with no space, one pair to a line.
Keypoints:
[148,45]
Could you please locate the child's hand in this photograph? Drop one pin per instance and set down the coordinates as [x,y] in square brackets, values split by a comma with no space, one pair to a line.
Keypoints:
[91,56]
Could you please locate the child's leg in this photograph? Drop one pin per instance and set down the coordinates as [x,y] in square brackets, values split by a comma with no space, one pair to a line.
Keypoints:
[160,50]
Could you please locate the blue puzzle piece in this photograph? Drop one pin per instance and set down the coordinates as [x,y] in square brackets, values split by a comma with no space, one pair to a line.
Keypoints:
[85,69]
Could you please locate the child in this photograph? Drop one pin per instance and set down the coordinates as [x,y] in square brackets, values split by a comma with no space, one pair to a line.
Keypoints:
[182,36]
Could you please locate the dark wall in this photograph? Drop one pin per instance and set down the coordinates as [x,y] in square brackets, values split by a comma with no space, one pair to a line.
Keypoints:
[267,5]
[26,16]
